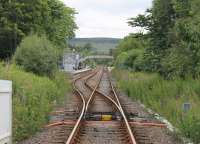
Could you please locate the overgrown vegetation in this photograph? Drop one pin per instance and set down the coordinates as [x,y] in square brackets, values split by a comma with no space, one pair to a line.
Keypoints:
[168,46]
[171,39]
[129,53]
[20,18]
[35,32]
[36,54]
[166,97]
[33,98]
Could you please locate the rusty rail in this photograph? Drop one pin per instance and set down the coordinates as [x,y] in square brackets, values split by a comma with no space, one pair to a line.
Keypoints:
[92,95]
[116,103]
[133,140]
[119,107]
[85,105]
[77,125]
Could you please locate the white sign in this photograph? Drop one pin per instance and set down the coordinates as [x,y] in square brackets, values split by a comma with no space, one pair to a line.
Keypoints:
[5,112]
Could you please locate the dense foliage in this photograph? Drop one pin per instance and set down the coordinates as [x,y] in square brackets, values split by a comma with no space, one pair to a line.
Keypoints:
[171,32]
[33,98]
[130,52]
[20,18]
[166,97]
[36,54]
[169,46]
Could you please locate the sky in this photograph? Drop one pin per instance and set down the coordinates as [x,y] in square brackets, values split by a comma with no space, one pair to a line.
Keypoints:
[106,18]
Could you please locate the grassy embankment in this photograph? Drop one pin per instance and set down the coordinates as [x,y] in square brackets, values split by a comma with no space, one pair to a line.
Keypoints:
[33,98]
[166,97]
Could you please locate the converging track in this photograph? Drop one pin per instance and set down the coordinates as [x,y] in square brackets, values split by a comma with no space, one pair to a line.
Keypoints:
[96,114]
[96,122]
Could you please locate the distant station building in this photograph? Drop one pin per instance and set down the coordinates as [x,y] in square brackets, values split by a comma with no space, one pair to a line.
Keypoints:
[71,61]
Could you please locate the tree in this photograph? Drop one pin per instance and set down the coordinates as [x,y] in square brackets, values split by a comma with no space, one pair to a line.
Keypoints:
[10,34]
[142,20]
[20,18]
[172,30]
[159,20]
[87,47]
[163,20]
[36,54]
[130,51]
[183,58]
[61,25]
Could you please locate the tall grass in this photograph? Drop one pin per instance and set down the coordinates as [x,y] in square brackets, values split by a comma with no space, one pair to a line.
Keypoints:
[33,98]
[166,97]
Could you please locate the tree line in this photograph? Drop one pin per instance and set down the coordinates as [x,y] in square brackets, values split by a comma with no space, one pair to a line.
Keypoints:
[20,18]
[168,42]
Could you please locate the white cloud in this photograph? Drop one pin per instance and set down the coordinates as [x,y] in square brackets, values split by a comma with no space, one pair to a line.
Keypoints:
[106,18]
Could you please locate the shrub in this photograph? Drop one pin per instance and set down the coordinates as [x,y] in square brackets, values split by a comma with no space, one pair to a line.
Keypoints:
[120,60]
[36,54]
[130,53]
[33,98]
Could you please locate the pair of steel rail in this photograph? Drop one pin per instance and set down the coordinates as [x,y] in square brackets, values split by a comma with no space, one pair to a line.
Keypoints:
[86,104]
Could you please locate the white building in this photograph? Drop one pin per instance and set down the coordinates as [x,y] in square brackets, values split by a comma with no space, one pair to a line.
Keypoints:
[70,61]
[5,112]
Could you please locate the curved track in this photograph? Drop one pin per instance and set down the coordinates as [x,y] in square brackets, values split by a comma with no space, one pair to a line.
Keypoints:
[99,113]
[97,101]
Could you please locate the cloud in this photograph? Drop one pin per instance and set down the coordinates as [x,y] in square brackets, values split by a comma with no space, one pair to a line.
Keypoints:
[106,18]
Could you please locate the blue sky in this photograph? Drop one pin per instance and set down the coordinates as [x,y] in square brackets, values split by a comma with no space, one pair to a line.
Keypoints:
[106,18]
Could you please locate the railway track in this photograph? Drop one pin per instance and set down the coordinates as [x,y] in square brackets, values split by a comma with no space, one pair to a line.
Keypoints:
[102,119]
[96,114]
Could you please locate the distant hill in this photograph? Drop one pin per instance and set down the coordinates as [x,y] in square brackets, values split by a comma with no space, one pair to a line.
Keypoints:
[100,45]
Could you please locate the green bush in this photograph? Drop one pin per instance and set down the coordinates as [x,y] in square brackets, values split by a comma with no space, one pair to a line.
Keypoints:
[166,97]
[33,98]
[130,52]
[121,59]
[36,54]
